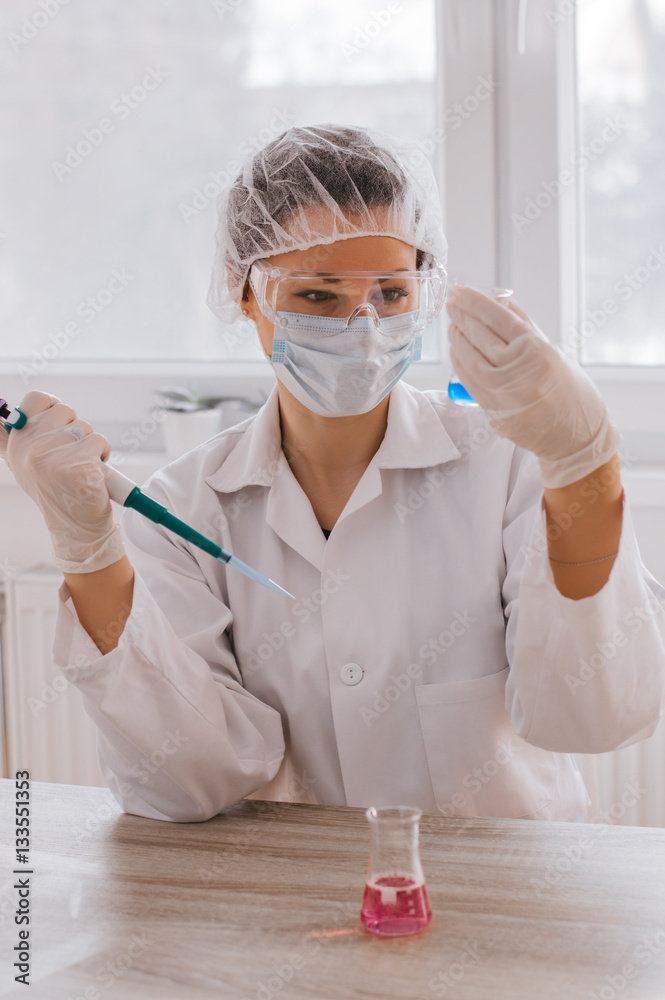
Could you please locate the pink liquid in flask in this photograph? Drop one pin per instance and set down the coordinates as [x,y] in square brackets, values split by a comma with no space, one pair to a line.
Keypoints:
[394,905]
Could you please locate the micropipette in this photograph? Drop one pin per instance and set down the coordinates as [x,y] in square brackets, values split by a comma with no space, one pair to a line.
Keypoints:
[128,494]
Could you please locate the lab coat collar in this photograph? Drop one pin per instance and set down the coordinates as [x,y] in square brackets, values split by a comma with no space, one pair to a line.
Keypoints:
[415,438]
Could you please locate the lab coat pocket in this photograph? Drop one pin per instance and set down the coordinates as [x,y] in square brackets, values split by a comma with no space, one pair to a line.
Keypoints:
[477,763]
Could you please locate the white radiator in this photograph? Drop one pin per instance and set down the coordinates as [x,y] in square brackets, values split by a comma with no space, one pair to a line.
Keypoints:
[47,730]
[628,784]
[54,738]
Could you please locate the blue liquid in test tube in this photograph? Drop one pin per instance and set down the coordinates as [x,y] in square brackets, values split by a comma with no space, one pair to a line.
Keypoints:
[456,391]
[459,395]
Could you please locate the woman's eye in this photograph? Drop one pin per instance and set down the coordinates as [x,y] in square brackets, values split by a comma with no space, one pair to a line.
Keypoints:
[393,294]
[319,296]
[316,295]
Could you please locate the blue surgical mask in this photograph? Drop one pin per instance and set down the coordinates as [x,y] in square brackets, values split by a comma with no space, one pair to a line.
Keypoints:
[336,369]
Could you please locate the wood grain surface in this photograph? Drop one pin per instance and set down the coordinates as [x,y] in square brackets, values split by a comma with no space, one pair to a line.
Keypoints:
[263,902]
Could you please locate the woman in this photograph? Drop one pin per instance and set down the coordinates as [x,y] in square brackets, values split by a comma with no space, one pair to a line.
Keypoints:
[460,575]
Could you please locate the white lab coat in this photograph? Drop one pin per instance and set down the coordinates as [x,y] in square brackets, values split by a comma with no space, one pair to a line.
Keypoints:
[428,660]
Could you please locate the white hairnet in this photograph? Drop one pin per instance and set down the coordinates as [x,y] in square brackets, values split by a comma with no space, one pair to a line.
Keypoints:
[316,185]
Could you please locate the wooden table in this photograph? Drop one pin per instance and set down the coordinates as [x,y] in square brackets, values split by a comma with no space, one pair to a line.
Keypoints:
[263,902]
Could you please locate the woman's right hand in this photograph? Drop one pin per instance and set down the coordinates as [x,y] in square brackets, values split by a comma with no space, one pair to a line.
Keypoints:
[55,459]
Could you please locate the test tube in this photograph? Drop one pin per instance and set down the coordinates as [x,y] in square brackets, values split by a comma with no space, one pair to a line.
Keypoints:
[456,390]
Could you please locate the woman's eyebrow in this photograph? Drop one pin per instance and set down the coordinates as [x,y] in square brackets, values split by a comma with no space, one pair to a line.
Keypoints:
[333,281]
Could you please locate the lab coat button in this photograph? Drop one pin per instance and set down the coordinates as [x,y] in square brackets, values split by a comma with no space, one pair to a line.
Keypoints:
[351,673]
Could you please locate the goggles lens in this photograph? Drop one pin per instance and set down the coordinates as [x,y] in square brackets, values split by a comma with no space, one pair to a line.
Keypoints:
[340,295]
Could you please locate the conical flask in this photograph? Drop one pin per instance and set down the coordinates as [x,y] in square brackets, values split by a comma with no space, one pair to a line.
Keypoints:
[395,900]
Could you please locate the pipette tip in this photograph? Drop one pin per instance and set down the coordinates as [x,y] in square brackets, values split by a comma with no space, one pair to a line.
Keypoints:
[254,574]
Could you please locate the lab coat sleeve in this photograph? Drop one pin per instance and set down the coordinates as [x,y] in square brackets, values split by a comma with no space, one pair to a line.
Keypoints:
[178,736]
[586,676]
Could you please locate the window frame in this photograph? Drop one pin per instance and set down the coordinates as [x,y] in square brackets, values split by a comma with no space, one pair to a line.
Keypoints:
[113,394]
[508,164]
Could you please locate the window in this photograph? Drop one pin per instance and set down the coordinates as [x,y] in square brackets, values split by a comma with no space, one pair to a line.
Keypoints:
[128,120]
[621,80]
[556,210]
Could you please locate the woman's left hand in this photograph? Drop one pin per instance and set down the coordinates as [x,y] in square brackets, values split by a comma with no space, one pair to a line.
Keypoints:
[529,391]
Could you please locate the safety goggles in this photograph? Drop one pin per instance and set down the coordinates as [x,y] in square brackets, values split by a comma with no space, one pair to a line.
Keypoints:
[417,296]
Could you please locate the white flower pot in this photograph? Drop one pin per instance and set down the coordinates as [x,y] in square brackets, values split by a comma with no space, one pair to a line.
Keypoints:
[184,431]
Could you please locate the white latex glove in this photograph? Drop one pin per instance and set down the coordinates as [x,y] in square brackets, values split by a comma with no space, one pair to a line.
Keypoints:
[529,391]
[55,458]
